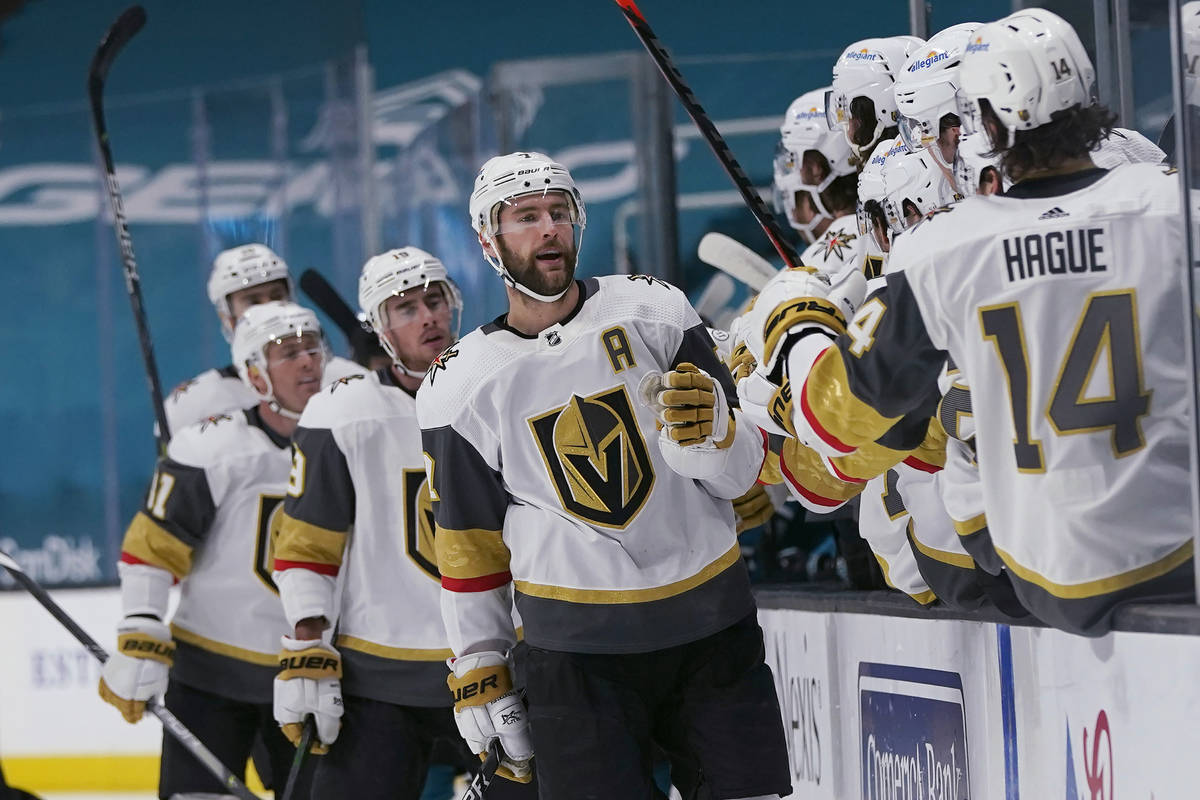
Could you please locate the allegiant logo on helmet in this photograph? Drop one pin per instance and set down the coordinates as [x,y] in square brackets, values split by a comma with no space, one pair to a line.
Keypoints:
[812,113]
[978,46]
[933,58]
[862,55]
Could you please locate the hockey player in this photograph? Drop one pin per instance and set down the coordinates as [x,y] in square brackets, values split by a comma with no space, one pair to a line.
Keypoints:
[207,523]
[927,91]
[357,467]
[241,277]
[862,101]
[553,483]
[1045,301]
[814,182]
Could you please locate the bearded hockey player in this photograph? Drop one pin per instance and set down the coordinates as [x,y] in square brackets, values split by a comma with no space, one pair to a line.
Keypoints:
[241,277]
[207,523]
[554,483]
[357,535]
[1064,330]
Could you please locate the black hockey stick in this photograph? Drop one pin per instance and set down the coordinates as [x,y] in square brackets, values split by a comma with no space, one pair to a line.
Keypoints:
[360,334]
[125,28]
[306,737]
[477,789]
[169,720]
[724,155]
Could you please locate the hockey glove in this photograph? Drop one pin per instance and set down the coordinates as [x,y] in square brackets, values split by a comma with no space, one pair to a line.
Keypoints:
[309,682]
[487,707]
[694,410]
[794,302]
[137,671]
[753,508]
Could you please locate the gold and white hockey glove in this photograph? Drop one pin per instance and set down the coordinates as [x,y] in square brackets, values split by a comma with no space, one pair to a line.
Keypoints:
[309,682]
[487,707]
[753,508]
[137,671]
[796,300]
[694,410]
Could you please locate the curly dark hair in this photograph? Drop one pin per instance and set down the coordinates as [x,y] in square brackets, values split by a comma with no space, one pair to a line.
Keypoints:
[1072,133]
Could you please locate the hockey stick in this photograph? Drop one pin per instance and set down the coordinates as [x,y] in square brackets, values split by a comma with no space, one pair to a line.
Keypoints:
[735,259]
[321,292]
[125,28]
[724,155]
[306,737]
[169,720]
[477,789]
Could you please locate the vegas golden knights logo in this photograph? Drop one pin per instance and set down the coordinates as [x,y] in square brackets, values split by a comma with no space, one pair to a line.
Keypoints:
[597,457]
[418,522]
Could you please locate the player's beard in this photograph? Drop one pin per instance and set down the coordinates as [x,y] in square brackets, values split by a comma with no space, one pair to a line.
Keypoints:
[526,272]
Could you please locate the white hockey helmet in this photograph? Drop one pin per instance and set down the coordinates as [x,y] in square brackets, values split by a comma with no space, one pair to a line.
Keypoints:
[974,156]
[1028,66]
[501,179]
[927,87]
[872,189]
[394,273]
[803,129]
[915,178]
[868,69]
[267,323]
[240,268]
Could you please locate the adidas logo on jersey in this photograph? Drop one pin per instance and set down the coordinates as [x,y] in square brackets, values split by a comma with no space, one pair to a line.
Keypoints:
[1055,213]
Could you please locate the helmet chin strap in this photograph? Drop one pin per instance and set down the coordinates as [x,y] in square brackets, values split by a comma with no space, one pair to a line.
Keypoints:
[273,404]
[866,148]
[501,270]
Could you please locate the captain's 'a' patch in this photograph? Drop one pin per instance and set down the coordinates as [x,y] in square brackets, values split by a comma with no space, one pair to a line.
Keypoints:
[596,457]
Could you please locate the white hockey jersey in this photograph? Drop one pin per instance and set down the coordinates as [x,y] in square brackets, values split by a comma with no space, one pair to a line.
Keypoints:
[1060,303]
[208,520]
[359,509]
[838,249]
[218,391]
[548,481]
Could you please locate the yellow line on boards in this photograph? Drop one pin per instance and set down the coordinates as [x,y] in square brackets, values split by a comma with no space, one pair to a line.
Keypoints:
[113,773]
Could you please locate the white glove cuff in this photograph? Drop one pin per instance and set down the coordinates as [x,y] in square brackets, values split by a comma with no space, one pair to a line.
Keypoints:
[145,589]
[296,645]
[304,594]
[485,658]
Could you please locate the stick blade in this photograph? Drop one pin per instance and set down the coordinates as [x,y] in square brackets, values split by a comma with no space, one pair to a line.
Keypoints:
[735,259]
[119,33]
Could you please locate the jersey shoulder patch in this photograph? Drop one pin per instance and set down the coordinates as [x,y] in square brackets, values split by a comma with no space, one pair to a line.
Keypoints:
[210,440]
[623,298]
[353,398]
[462,371]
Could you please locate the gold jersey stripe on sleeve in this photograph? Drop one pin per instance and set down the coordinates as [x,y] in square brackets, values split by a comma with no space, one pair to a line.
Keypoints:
[960,560]
[924,598]
[770,473]
[394,653]
[304,542]
[807,471]
[833,410]
[468,554]
[150,542]
[1114,583]
[222,649]
[615,596]
[970,526]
